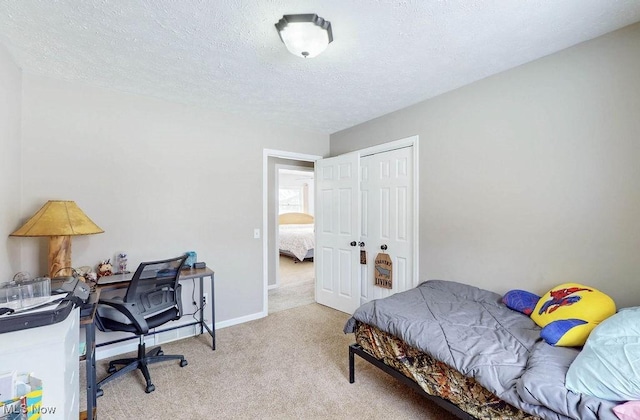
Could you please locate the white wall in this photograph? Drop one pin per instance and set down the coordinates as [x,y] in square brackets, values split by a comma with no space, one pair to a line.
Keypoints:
[159,178]
[531,177]
[10,180]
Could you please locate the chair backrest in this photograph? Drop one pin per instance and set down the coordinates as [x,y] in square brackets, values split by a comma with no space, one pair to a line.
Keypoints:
[154,286]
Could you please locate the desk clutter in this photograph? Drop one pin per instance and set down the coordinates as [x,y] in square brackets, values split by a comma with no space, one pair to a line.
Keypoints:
[28,303]
[23,292]
[106,267]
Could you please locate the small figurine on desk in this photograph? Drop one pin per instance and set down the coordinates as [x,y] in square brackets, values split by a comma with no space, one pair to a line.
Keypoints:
[86,274]
[105,268]
[91,277]
[122,263]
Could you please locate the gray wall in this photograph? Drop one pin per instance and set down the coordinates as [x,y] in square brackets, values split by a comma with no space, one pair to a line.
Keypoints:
[160,178]
[531,178]
[10,179]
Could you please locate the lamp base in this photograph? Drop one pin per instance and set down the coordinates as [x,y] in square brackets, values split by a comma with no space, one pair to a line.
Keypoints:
[60,256]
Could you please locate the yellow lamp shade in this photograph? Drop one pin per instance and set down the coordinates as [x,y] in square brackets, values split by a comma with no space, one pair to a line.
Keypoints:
[59,220]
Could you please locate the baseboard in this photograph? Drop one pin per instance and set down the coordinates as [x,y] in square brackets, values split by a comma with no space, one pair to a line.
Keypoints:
[166,337]
[240,320]
[116,349]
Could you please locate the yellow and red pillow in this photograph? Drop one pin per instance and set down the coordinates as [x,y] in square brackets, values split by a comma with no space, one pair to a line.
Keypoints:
[567,313]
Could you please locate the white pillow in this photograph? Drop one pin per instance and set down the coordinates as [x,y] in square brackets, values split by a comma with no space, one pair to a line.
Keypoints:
[608,366]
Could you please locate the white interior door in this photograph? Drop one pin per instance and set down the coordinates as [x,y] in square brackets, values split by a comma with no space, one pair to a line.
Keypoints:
[387,218]
[337,232]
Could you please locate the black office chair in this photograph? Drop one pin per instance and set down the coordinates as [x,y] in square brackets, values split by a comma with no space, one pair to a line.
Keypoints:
[151,299]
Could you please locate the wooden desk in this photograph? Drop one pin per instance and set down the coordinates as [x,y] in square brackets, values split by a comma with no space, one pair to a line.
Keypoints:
[122,280]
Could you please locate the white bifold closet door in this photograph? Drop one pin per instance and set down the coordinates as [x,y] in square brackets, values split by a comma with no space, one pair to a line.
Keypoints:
[363,202]
[386,216]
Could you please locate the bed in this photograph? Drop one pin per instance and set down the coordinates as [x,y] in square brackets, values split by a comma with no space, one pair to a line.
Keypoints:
[462,348]
[296,236]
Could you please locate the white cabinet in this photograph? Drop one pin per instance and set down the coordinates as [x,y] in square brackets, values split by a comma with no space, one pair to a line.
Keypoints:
[50,353]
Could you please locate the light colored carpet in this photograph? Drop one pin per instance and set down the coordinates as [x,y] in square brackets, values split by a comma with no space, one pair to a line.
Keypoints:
[297,285]
[290,365]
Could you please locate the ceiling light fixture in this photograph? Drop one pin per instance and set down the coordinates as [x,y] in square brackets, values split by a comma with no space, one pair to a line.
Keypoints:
[304,35]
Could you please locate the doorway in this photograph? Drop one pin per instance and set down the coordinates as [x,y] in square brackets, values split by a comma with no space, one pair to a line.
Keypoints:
[295,237]
[272,270]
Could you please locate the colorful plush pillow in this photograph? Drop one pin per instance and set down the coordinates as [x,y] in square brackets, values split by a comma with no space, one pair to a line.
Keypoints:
[608,365]
[521,301]
[568,312]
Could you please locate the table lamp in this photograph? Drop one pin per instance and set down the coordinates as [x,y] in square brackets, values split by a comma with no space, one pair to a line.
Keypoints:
[59,220]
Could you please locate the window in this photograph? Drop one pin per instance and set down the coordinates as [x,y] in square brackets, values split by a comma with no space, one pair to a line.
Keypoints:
[295,190]
[291,200]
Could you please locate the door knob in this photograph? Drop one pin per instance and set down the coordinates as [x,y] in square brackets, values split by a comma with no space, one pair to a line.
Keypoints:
[383,247]
[353,243]
[361,244]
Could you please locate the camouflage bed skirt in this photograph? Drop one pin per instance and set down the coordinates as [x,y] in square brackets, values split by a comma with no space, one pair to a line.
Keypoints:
[435,377]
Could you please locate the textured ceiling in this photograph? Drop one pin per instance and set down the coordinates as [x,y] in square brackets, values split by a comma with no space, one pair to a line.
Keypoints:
[226,54]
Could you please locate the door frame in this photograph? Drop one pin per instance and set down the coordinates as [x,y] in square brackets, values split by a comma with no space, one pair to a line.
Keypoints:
[266,154]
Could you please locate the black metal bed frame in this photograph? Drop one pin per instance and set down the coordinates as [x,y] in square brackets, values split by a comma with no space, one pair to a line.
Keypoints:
[441,402]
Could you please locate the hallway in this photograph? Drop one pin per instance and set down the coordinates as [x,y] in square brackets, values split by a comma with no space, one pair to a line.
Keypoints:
[297,282]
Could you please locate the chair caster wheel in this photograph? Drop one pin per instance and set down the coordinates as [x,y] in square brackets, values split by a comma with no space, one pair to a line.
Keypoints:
[160,352]
[111,369]
[183,363]
[150,388]
[99,393]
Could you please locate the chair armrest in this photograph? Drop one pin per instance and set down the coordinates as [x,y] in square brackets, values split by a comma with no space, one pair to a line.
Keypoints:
[129,310]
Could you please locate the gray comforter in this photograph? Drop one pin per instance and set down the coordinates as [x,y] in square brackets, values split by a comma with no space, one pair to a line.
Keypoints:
[472,331]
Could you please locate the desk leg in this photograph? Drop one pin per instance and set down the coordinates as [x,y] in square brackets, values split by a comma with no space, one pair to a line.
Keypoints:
[90,363]
[202,309]
[203,325]
[203,322]
[213,315]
